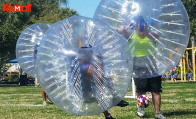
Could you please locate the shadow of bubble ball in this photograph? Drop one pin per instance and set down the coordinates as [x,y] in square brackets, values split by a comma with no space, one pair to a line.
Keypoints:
[157,32]
[27,46]
[84,66]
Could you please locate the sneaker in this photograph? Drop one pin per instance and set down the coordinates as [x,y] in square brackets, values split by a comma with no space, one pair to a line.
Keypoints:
[159,116]
[140,112]
[122,103]
[109,117]
[44,103]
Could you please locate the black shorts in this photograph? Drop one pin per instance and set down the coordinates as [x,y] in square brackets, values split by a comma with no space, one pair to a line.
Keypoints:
[173,72]
[148,84]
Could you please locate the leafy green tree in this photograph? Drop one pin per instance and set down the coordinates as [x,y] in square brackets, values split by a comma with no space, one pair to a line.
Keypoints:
[13,23]
[190,6]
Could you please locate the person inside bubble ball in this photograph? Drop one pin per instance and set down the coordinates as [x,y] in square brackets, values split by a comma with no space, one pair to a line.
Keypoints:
[86,69]
[42,90]
[142,43]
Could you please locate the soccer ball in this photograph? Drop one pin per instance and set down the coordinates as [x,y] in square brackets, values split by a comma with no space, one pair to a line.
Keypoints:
[143,101]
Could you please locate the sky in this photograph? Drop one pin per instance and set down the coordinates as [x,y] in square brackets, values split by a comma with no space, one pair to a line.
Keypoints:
[84,7]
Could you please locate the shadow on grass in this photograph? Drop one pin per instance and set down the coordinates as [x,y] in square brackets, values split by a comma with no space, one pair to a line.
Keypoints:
[179,112]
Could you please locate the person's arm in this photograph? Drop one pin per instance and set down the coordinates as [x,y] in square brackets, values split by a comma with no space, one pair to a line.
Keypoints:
[123,30]
[90,69]
[99,67]
[153,36]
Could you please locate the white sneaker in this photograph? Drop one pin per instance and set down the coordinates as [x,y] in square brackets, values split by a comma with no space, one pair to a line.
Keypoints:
[159,116]
[140,112]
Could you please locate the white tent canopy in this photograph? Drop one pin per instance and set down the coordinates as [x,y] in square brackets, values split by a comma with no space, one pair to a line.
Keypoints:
[14,68]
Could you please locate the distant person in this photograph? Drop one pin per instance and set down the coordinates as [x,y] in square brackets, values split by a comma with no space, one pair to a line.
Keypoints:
[173,72]
[42,90]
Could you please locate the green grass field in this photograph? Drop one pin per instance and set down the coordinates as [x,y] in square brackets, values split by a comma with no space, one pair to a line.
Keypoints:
[178,101]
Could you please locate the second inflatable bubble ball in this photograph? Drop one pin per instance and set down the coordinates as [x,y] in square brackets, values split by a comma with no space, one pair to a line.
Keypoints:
[157,31]
[27,47]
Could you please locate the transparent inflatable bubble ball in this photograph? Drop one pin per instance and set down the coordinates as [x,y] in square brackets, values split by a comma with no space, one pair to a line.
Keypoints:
[84,66]
[27,46]
[157,32]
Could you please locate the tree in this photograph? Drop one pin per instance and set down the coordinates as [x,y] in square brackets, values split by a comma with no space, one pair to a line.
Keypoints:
[13,23]
[190,6]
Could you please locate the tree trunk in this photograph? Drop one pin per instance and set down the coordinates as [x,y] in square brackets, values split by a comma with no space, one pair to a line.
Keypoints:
[193,44]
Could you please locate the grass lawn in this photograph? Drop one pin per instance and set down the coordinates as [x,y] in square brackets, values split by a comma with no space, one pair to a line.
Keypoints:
[178,101]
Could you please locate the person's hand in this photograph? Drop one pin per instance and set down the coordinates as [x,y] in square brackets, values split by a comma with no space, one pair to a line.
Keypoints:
[126,27]
[123,29]
[90,69]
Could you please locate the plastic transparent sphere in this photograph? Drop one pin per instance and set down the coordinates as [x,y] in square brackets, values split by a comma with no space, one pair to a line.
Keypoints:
[27,46]
[157,31]
[84,66]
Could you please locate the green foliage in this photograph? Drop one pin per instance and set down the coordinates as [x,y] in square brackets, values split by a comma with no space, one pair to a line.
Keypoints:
[178,70]
[13,77]
[190,6]
[13,23]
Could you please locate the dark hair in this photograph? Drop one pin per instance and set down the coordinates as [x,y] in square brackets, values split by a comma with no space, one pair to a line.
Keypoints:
[84,47]
[89,46]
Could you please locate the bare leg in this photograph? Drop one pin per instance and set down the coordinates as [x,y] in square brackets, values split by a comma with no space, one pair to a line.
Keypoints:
[156,99]
[172,79]
[43,95]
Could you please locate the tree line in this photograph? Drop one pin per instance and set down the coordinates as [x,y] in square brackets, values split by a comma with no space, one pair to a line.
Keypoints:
[13,23]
